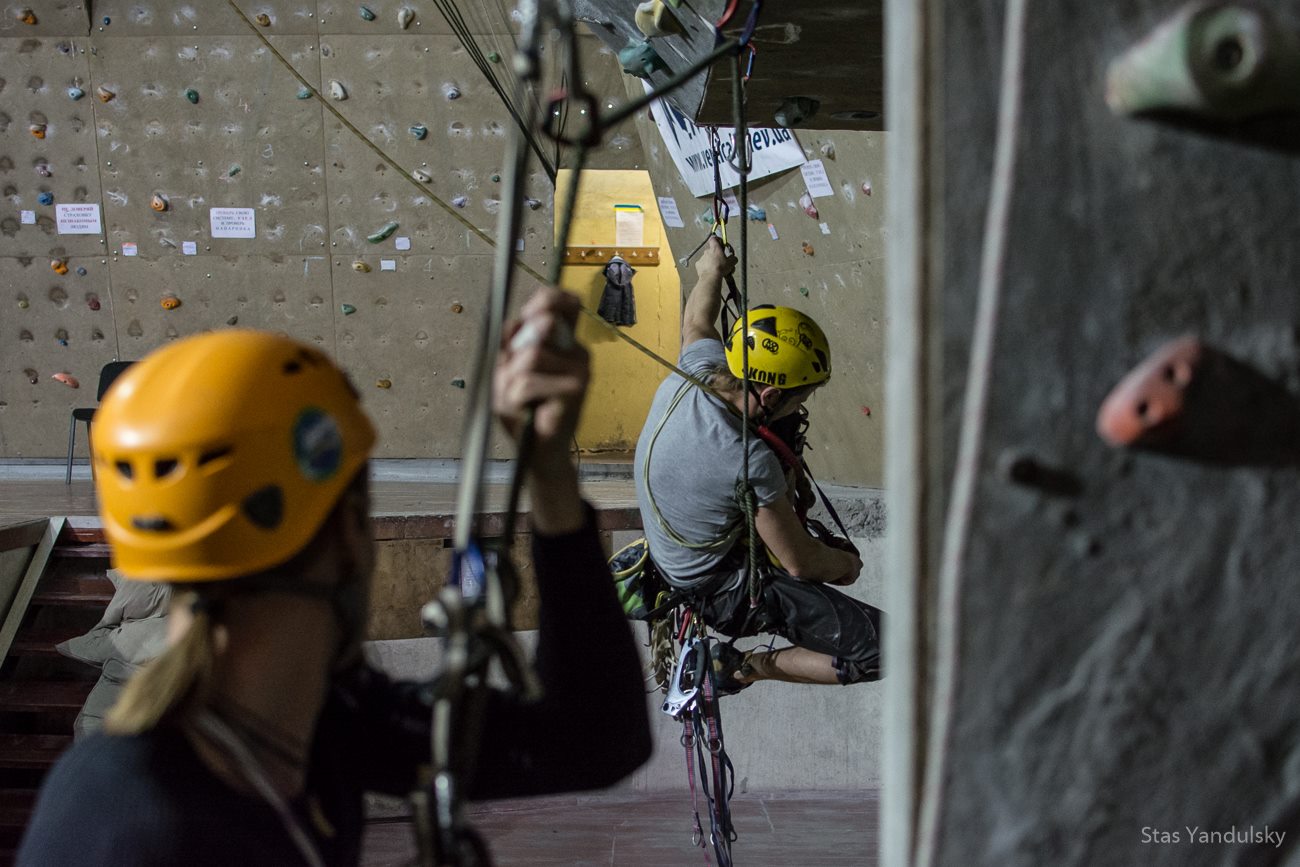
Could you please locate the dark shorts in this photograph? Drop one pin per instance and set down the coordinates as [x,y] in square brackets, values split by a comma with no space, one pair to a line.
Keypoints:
[817,617]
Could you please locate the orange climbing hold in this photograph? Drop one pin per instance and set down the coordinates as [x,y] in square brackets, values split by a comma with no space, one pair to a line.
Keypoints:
[59,266]
[264,19]
[67,379]
[808,249]
[159,202]
[37,130]
[104,94]
[27,16]
[171,302]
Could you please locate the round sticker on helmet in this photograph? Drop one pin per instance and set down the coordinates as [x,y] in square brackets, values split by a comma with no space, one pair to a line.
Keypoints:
[317,444]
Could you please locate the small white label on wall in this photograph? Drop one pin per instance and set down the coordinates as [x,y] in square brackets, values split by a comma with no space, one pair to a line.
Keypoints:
[403,243]
[387,264]
[825,227]
[814,175]
[190,248]
[28,217]
[129,249]
[77,219]
[668,210]
[771,230]
[233,223]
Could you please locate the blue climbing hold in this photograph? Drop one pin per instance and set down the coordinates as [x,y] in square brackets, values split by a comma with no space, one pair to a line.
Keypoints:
[419,130]
[108,20]
[45,198]
[75,93]
[754,212]
[641,59]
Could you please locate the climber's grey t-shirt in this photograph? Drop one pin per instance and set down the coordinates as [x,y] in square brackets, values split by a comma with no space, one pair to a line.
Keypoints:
[693,469]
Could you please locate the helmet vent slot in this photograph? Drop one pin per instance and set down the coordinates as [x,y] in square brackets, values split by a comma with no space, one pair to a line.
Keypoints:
[265,507]
[291,367]
[124,469]
[213,454]
[164,467]
[152,523]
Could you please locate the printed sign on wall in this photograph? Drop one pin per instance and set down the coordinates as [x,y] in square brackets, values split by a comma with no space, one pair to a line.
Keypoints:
[77,219]
[233,223]
[774,150]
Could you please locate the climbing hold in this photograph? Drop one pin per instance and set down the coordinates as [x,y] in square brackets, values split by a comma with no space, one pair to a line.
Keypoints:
[795,111]
[159,202]
[304,93]
[384,383]
[866,410]
[75,93]
[451,91]
[828,150]
[233,170]
[382,233]
[866,186]
[92,301]
[653,19]
[420,131]
[366,13]
[25,336]
[458,383]
[81,272]
[67,379]
[640,59]
[37,130]
[348,309]
[26,16]
[234,320]
[107,21]
[808,249]
[1150,403]
[460,201]
[61,337]
[170,302]
[360,267]
[494,57]
[45,198]
[104,94]
[1218,61]
[457,307]
[96,334]
[23,303]
[754,212]
[421,176]
[337,90]
[809,208]
[31,374]
[496,178]
[192,95]
[533,204]
[405,16]
[803,290]
[263,19]
[59,266]
[43,170]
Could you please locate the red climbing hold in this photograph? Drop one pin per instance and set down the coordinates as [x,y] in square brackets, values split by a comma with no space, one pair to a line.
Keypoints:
[67,379]
[1149,402]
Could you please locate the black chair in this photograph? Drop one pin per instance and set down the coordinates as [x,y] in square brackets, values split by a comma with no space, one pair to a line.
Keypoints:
[110,372]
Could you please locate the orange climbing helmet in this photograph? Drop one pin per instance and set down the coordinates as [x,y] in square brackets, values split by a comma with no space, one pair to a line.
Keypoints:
[221,455]
[787,349]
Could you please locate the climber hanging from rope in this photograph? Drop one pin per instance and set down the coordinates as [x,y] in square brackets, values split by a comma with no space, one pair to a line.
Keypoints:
[688,463]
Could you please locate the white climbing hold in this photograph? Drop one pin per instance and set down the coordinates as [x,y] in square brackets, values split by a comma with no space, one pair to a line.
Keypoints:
[451,91]
[337,90]
[421,176]
[806,202]
[405,16]
[828,150]
[460,201]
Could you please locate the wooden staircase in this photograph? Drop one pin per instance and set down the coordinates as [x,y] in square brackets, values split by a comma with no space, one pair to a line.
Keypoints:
[41,691]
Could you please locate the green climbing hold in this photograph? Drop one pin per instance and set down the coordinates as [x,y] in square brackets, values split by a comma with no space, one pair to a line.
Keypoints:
[192,95]
[458,382]
[383,233]
[496,179]
[366,14]
[234,170]
[803,290]
[304,93]
[348,309]
[494,57]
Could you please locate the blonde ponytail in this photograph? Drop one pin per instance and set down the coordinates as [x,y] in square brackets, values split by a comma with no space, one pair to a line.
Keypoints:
[171,686]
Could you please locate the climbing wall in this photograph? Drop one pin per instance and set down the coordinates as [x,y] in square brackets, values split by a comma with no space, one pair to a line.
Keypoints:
[822,254]
[1117,635]
[136,119]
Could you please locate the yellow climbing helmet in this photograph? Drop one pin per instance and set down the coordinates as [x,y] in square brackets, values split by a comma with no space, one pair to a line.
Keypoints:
[787,348]
[221,455]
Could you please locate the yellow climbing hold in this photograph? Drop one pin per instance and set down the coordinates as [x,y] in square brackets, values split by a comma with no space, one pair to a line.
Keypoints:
[171,302]
[384,383]
[360,267]
[59,266]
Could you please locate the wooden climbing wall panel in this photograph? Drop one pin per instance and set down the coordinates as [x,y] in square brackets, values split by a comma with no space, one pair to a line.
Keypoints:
[179,109]
[1117,632]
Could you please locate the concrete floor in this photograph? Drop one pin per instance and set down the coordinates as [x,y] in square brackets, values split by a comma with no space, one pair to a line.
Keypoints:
[814,830]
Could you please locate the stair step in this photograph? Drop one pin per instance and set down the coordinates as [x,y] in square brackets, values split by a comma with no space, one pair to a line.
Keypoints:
[98,550]
[32,642]
[32,751]
[39,695]
[78,590]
